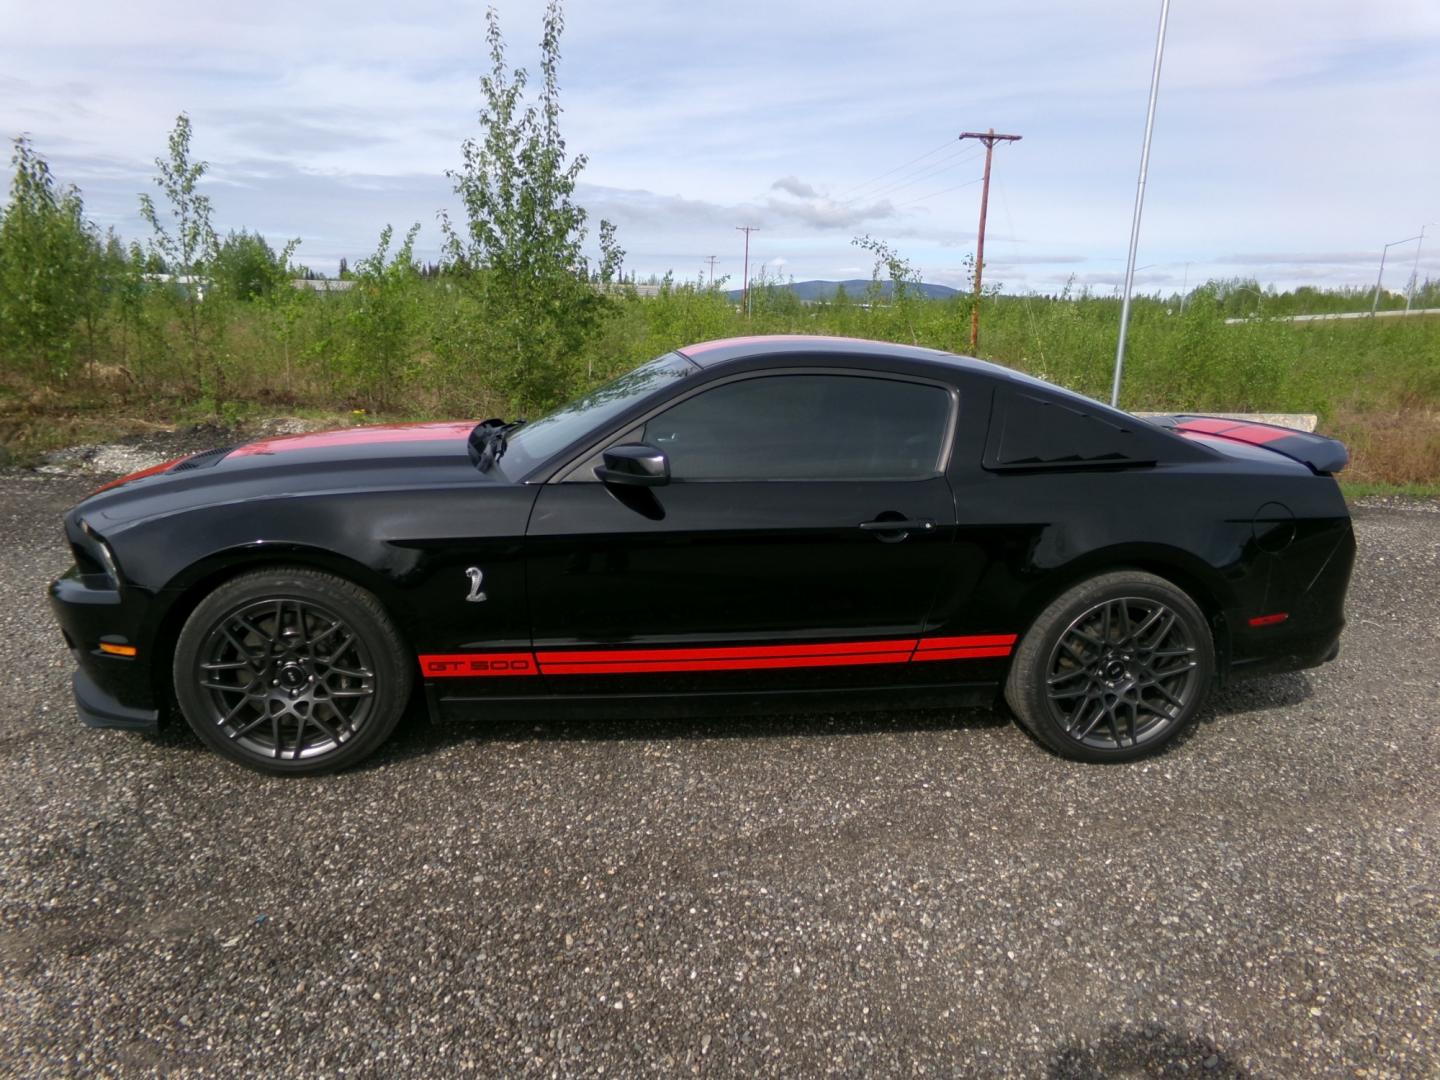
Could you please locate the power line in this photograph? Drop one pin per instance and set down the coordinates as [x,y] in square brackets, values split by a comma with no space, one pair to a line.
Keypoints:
[897,168]
[923,173]
[989,138]
[942,191]
[926,174]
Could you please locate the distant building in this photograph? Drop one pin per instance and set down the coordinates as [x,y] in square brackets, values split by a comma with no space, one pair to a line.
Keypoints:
[323,284]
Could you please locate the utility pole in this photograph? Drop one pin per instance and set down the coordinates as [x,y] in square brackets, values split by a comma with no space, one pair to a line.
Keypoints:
[711,259]
[745,293]
[989,138]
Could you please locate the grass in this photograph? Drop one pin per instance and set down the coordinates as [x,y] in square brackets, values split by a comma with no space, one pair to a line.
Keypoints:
[1374,383]
[1360,489]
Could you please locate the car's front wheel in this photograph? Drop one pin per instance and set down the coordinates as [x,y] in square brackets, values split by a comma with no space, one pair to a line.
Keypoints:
[291,671]
[1114,669]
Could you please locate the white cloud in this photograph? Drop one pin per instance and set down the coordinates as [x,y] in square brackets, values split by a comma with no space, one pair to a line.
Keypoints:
[328,125]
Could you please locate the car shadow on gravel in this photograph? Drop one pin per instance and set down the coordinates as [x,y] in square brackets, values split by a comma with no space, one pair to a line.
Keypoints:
[417,735]
[1148,1050]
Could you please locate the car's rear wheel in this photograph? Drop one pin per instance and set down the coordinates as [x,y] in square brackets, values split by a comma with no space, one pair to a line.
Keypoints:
[1114,669]
[291,671]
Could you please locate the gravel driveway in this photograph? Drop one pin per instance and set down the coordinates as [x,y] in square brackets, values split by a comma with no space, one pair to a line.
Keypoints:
[917,893]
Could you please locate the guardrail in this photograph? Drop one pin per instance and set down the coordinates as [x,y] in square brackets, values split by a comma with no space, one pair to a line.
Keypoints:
[1335,315]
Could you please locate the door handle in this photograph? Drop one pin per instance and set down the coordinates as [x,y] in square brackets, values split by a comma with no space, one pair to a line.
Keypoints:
[902,526]
[893,530]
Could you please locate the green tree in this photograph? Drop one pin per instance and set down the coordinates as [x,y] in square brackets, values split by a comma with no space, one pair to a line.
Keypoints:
[248,268]
[521,244]
[184,239]
[49,257]
[382,323]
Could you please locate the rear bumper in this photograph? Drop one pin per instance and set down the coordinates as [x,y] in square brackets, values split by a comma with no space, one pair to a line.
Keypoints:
[1294,655]
[110,691]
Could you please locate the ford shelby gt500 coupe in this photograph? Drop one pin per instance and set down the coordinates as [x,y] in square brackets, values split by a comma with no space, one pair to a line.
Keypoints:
[761,522]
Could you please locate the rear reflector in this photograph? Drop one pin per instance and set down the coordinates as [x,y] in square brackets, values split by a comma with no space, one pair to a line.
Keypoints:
[1270,620]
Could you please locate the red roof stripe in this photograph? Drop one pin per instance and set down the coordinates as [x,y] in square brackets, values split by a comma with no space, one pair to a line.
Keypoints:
[1238,430]
[360,436]
[151,471]
[754,339]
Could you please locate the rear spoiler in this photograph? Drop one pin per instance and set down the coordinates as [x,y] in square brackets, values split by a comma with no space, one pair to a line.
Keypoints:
[1323,455]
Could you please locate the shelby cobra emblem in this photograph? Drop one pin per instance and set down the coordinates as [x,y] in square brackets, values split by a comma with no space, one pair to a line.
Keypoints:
[477,578]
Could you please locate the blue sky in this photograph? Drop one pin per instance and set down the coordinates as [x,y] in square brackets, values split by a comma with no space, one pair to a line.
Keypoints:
[1292,140]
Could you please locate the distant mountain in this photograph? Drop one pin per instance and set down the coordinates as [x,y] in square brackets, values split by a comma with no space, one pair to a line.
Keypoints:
[855,289]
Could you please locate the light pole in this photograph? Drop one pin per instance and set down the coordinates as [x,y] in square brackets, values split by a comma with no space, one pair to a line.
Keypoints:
[1375,304]
[1139,203]
[1415,270]
[1253,292]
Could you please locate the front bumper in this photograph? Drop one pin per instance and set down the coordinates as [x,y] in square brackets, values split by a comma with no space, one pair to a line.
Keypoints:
[110,691]
[98,709]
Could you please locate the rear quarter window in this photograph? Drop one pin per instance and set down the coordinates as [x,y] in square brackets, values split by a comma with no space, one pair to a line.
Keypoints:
[1028,432]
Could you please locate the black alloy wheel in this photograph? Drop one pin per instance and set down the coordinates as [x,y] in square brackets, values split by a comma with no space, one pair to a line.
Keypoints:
[1121,673]
[1114,669]
[291,671]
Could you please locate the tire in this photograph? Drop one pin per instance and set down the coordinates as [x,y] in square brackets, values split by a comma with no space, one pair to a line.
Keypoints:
[1115,669]
[291,671]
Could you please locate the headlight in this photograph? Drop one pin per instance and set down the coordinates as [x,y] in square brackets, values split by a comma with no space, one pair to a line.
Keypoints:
[100,553]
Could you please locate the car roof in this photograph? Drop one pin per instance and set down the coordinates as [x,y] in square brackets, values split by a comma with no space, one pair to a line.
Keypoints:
[711,354]
[725,351]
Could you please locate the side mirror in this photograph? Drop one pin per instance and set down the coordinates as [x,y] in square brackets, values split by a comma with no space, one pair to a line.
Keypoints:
[636,464]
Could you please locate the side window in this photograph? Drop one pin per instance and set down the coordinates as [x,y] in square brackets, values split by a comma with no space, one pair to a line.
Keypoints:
[805,427]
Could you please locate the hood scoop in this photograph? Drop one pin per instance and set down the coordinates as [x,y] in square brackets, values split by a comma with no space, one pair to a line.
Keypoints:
[204,460]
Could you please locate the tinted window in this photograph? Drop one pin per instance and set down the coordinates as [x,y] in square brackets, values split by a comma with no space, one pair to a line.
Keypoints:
[539,439]
[1033,432]
[805,427]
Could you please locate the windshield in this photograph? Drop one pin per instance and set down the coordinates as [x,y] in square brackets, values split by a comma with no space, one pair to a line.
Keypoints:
[570,423]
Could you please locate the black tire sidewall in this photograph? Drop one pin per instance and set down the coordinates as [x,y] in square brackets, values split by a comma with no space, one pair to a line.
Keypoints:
[361,612]
[1025,685]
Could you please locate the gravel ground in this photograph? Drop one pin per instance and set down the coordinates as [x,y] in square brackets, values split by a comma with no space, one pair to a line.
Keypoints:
[914,893]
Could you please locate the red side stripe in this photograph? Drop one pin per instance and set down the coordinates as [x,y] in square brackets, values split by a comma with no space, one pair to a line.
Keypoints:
[926,644]
[726,652]
[962,654]
[751,663]
[720,658]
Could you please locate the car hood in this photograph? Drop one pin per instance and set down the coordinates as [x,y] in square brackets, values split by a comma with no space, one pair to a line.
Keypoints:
[349,459]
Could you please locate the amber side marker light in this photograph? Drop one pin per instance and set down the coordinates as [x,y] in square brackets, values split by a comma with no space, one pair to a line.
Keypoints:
[1270,620]
[117,650]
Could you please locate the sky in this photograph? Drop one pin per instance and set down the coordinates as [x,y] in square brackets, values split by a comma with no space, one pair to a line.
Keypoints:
[1292,139]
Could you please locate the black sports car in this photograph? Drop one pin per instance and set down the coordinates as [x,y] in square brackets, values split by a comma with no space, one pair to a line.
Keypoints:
[753,523]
